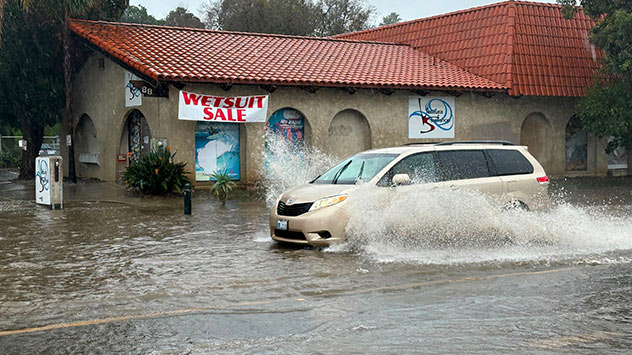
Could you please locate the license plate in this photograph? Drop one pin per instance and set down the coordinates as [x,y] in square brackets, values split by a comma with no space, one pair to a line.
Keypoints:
[282,224]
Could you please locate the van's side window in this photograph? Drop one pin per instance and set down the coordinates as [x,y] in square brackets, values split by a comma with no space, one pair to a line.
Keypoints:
[461,164]
[510,162]
[420,167]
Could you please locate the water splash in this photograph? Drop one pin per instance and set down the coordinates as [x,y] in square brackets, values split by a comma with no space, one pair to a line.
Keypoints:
[444,226]
[288,164]
[424,225]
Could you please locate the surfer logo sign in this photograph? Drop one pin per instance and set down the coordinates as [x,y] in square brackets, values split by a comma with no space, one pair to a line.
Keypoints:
[430,117]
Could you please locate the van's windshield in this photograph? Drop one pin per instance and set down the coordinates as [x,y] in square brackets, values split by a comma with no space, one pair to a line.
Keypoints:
[361,167]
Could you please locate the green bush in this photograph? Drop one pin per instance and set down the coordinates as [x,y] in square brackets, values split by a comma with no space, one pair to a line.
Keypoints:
[222,185]
[156,174]
[9,161]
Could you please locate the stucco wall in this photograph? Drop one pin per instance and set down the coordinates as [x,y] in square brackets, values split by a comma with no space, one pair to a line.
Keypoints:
[100,95]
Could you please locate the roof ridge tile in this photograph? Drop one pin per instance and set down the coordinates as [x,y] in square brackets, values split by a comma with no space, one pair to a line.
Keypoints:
[239,33]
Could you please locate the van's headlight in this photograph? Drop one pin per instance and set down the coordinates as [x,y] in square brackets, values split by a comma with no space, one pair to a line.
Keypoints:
[328,201]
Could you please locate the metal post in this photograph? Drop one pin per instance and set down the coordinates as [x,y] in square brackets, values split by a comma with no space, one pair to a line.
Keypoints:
[52,192]
[0,144]
[187,199]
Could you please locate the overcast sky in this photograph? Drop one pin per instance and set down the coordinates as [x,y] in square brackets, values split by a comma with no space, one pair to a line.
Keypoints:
[407,9]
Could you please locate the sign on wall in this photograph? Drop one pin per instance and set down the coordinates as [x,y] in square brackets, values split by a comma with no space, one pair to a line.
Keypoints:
[430,117]
[133,95]
[236,109]
[216,150]
[289,123]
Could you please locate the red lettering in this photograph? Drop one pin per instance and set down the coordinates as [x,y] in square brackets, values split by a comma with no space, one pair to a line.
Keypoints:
[205,100]
[241,115]
[260,101]
[238,102]
[230,115]
[208,111]
[229,102]
[219,115]
[218,101]
[188,98]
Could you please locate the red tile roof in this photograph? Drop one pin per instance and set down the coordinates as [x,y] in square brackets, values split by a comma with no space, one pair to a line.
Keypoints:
[529,47]
[193,55]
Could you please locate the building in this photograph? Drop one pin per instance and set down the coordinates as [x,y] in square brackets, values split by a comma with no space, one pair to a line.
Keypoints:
[512,71]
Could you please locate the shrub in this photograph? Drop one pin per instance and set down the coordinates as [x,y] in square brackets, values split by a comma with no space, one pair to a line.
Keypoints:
[9,161]
[156,174]
[222,185]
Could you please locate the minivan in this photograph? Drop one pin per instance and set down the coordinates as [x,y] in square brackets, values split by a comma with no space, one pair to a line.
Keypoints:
[315,213]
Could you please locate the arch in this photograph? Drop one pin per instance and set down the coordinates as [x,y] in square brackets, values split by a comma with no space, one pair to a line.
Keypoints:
[350,131]
[576,145]
[534,133]
[291,124]
[87,141]
[135,136]
[217,150]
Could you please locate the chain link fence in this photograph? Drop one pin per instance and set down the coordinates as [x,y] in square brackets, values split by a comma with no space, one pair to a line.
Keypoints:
[11,152]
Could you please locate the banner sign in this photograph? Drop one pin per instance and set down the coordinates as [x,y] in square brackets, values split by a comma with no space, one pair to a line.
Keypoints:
[430,117]
[237,109]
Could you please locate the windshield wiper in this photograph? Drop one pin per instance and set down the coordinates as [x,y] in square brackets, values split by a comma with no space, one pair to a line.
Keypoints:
[359,178]
[335,179]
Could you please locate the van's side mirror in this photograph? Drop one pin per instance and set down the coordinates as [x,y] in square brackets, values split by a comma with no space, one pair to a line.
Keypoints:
[401,179]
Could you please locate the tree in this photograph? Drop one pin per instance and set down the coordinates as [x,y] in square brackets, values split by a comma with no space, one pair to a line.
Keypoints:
[390,19]
[32,87]
[292,17]
[138,14]
[606,111]
[341,16]
[56,14]
[181,17]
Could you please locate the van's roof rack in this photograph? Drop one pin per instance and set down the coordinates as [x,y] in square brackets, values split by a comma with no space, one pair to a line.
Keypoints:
[422,143]
[477,142]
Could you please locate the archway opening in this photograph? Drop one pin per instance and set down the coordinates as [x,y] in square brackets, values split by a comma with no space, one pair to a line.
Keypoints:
[576,145]
[534,134]
[136,136]
[87,147]
[350,132]
[291,125]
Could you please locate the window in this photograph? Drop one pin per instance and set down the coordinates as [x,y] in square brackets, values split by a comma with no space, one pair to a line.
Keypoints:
[510,162]
[462,164]
[359,167]
[420,167]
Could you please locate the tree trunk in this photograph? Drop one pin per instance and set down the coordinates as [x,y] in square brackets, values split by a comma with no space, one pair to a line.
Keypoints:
[34,136]
[72,175]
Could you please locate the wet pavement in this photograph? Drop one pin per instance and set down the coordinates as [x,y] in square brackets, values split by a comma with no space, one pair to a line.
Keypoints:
[112,273]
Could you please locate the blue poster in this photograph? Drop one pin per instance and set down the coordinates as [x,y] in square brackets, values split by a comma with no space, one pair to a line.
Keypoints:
[216,150]
[289,123]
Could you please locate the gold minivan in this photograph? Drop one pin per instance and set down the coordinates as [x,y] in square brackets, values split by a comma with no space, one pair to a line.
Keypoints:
[315,213]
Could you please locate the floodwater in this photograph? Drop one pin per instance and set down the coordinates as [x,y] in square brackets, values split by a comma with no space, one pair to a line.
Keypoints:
[115,274]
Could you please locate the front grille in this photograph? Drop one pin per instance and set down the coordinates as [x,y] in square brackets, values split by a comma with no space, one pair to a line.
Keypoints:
[289,235]
[293,210]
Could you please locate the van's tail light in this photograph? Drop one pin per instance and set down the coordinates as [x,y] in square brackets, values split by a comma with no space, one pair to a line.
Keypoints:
[544,180]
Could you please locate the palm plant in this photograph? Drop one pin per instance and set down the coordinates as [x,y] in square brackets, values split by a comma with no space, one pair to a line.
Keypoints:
[222,185]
